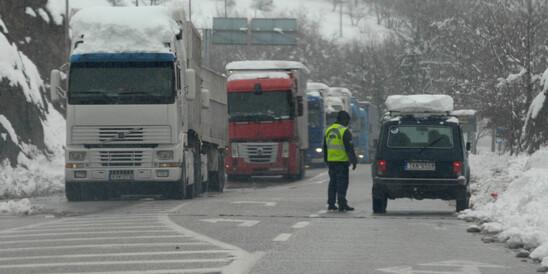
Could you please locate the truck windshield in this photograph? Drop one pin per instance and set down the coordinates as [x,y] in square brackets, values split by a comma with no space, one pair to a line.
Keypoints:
[268,105]
[121,83]
[422,137]
[314,114]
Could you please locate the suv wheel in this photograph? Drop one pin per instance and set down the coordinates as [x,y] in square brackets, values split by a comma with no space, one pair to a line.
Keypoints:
[379,204]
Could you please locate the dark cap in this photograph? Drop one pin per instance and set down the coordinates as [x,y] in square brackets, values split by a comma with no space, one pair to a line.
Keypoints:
[343,118]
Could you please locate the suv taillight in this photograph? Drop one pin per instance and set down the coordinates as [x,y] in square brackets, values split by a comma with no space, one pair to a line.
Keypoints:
[457,169]
[381,167]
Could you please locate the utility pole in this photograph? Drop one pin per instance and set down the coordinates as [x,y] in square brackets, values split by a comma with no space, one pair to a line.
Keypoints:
[340,17]
[190,10]
[67,26]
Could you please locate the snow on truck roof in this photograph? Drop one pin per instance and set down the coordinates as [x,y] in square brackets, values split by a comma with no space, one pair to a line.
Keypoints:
[266,65]
[316,86]
[123,29]
[259,75]
[339,91]
[419,103]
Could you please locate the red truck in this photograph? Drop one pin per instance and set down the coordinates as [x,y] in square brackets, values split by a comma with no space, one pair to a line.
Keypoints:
[268,121]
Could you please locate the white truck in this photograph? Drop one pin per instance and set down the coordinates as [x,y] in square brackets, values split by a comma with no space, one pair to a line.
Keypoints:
[336,99]
[143,116]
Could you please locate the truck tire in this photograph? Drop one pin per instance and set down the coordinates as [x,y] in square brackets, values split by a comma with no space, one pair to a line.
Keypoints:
[379,204]
[190,191]
[217,178]
[73,191]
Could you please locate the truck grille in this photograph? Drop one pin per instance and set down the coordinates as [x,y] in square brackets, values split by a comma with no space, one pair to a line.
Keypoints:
[116,135]
[121,158]
[258,153]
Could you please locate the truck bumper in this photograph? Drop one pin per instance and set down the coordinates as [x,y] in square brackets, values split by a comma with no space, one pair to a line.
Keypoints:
[281,167]
[419,188]
[156,174]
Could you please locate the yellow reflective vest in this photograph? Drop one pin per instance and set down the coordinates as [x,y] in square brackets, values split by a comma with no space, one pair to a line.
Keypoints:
[335,144]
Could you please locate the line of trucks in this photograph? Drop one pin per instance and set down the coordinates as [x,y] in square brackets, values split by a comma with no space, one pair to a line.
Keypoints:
[324,104]
[144,117]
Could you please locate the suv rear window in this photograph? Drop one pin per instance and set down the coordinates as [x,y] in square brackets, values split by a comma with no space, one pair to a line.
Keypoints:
[400,136]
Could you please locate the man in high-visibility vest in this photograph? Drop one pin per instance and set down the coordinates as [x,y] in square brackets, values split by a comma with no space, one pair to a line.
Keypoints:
[339,154]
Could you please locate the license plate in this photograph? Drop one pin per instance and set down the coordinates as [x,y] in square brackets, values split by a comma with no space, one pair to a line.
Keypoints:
[420,166]
[120,175]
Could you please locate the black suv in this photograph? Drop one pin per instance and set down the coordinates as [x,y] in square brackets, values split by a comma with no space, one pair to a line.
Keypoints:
[420,156]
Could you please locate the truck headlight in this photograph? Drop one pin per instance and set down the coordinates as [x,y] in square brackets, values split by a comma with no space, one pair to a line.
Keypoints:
[165,154]
[319,150]
[77,155]
[285,150]
[234,150]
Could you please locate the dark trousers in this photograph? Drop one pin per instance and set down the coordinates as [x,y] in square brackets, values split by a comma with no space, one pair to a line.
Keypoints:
[338,183]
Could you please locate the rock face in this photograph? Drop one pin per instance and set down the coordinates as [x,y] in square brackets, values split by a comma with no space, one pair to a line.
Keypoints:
[36,46]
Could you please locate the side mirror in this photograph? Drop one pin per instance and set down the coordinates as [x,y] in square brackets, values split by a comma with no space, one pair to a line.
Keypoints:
[56,92]
[468,146]
[300,107]
[190,77]
[205,98]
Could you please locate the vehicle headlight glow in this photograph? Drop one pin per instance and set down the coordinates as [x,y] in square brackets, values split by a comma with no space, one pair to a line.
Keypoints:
[77,155]
[164,154]
[234,150]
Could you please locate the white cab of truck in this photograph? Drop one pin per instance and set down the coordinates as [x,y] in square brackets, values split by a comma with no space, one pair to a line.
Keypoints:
[134,110]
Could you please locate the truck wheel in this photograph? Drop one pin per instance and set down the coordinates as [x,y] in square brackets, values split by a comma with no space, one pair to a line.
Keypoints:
[379,204]
[191,191]
[73,191]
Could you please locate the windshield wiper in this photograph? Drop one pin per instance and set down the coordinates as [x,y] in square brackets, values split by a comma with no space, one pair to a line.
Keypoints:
[430,144]
[104,95]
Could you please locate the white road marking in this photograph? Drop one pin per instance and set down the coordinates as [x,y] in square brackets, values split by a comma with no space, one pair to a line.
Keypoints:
[179,252]
[282,237]
[81,239]
[300,224]
[243,222]
[139,232]
[465,267]
[160,271]
[314,216]
[116,263]
[62,247]
[252,202]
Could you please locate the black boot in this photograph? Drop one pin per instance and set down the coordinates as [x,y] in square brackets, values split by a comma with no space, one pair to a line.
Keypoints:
[344,208]
[332,207]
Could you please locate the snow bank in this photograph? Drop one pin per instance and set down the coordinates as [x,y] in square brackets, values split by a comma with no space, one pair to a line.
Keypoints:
[510,197]
[127,29]
[266,65]
[19,70]
[419,103]
[36,172]
[22,207]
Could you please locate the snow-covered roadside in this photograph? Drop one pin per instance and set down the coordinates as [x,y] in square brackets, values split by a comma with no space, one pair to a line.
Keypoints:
[510,200]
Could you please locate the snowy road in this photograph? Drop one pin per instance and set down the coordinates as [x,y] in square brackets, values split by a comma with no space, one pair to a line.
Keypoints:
[133,239]
[261,226]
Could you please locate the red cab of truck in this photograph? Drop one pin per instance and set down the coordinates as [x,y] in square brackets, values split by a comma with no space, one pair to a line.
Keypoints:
[263,126]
